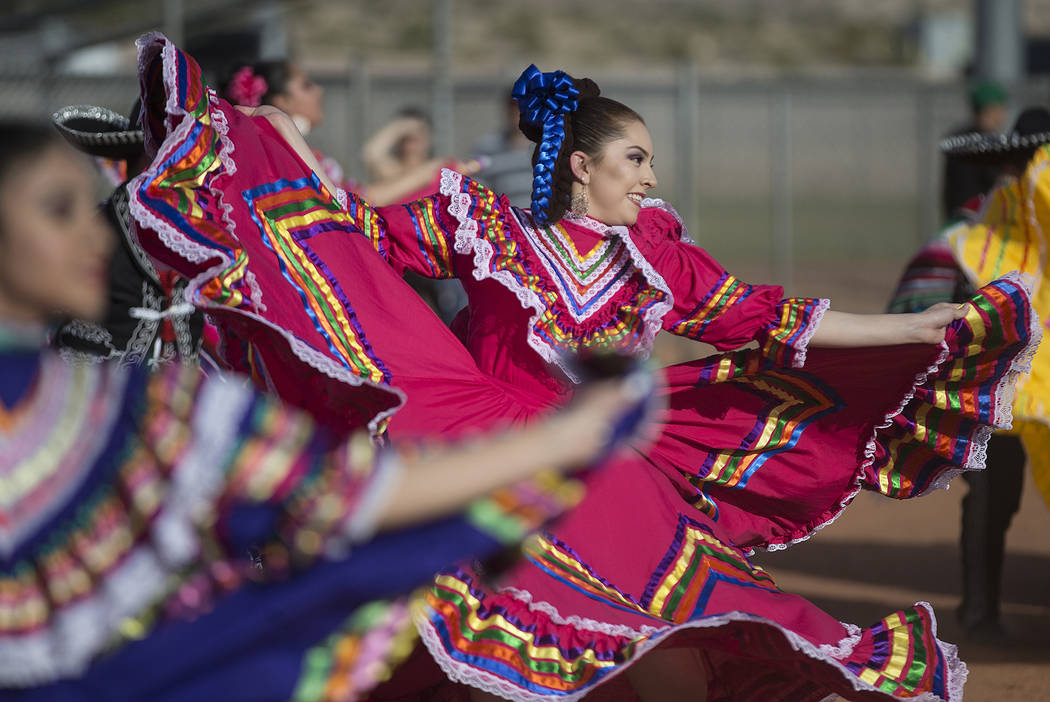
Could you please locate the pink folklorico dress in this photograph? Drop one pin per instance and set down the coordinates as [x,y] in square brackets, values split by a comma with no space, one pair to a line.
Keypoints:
[757,448]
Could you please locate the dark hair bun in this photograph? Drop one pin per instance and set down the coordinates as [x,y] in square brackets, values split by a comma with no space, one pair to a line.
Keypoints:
[587,87]
[532,131]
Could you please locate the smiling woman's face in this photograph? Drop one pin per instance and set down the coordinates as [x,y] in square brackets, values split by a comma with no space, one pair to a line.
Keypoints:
[54,244]
[616,181]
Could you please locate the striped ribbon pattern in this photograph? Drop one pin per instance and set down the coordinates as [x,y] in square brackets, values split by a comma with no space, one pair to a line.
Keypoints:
[288,214]
[572,285]
[899,655]
[936,425]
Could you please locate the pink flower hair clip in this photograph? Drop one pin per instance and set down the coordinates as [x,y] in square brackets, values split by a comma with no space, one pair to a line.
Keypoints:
[246,88]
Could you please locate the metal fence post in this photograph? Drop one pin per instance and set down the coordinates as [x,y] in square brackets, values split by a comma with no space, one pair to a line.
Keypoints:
[273,31]
[174,20]
[687,99]
[925,154]
[783,226]
[442,109]
[360,92]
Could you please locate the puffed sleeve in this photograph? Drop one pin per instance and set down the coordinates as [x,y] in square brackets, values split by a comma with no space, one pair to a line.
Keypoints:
[416,236]
[712,306]
[421,236]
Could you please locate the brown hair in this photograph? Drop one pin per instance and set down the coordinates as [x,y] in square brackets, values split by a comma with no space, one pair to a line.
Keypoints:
[22,141]
[596,121]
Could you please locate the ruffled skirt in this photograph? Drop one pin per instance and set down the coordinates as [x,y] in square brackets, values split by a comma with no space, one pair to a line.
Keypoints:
[747,454]
[749,457]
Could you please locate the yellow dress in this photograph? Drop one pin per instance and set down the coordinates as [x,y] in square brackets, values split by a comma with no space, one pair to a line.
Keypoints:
[1010,234]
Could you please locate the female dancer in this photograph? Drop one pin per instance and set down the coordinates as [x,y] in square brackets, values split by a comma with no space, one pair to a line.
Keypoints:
[169,537]
[595,262]
[286,86]
[754,450]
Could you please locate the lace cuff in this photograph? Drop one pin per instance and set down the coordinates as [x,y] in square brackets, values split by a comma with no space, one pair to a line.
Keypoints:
[785,339]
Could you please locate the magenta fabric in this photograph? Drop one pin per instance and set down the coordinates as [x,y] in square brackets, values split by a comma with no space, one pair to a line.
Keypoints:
[756,447]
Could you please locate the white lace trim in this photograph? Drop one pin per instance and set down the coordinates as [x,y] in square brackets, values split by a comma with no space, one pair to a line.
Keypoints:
[532,235]
[80,632]
[1004,391]
[798,356]
[842,649]
[467,241]
[576,622]
[341,198]
[172,238]
[666,207]
[654,316]
[458,671]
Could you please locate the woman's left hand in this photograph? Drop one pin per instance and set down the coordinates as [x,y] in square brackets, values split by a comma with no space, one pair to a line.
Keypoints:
[928,326]
[285,126]
[279,119]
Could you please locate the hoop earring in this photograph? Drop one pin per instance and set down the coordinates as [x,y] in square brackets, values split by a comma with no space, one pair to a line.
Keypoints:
[578,204]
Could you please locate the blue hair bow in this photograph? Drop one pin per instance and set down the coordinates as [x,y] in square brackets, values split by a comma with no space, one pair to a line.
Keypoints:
[544,99]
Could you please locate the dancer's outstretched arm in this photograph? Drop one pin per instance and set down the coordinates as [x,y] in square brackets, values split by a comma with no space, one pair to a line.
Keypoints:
[836,329]
[843,329]
[443,480]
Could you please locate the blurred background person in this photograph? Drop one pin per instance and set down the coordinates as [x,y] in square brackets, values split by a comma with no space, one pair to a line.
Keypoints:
[147,320]
[402,168]
[400,160]
[965,179]
[1003,236]
[506,155]
[287,87]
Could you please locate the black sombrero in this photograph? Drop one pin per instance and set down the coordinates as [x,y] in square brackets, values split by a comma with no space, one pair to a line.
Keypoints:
[1030,131]
[99,131]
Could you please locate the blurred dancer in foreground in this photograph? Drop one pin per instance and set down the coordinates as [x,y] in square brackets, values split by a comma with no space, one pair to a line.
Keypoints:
[170,537]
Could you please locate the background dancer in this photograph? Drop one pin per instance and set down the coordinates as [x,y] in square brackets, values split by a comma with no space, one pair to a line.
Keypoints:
[144,322]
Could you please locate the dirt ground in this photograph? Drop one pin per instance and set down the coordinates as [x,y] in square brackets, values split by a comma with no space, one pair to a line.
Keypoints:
[882,555]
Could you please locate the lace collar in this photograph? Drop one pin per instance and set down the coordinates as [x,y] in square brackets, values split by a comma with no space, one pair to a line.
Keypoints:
[597,226]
